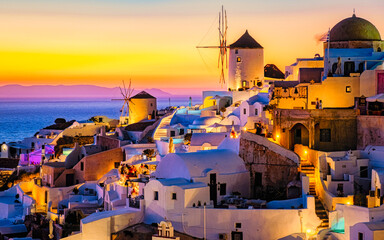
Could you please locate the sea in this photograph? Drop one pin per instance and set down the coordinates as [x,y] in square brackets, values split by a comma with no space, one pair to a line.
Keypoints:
[21,118]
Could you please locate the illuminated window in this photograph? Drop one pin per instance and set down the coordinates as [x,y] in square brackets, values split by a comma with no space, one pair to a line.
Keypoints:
[174,196]
[156,195]
[238,59]
[348,89]
[207,148]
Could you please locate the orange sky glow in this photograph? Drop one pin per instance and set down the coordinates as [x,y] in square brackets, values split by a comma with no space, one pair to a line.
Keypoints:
[154,42]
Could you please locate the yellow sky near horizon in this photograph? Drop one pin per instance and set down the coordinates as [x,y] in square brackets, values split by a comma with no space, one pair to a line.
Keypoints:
[155,46]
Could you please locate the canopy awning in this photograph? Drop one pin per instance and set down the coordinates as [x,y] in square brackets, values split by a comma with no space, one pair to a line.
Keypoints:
[377,98]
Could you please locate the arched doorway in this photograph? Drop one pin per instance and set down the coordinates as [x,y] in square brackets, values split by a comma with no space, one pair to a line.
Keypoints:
[299,134]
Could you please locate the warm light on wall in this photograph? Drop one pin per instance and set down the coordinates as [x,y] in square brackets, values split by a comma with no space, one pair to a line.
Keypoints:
[277,136]
[348,203]
[245,129]
[305,152]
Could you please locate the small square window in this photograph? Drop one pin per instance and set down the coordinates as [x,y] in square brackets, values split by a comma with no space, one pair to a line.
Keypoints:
[245,111]
[236,51]
[156,195]
[237,225]
[117,164]
[348,89]
[82,166]
[174,196]
[238,59]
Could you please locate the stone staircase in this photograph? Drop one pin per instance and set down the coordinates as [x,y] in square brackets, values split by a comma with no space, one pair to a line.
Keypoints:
[308,169]
[160,132]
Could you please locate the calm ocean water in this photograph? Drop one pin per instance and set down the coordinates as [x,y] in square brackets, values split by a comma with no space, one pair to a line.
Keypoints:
[20,118]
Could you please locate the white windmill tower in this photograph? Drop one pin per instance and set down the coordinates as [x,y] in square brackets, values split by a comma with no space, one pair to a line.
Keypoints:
[125,109]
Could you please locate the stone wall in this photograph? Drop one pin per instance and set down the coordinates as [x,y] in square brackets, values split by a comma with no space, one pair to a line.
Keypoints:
[97,165]
[107,142]
[370,131]
[271,166]
[341,124]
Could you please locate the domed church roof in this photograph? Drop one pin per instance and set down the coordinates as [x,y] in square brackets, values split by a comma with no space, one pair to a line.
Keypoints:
[354,29]
[245,41]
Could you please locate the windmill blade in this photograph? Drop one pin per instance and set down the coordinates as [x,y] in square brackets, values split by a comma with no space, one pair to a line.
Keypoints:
[121,90]
[125,89]
[131,93]
[130,101]
[122,109]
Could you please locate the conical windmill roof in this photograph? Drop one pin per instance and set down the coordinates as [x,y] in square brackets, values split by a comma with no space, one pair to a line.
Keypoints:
[143,94]
[245,41]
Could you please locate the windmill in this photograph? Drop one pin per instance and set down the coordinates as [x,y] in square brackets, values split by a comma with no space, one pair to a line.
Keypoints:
[223,56]
[125,109]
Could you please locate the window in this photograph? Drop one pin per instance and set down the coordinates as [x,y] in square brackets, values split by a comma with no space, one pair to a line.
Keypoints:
[361,236]
[258,179]
[349,67]
[117,164]
[340,187]
[223,189]
[256,111]
[372,193]
[361,67]
[174,196]
[364,171]
[245,111]
[237,225]
[238,59]
[325,135]
[181,132]
[348,89]
[151,104]
[172,133]
[156,195]
[82,166]
[236,51]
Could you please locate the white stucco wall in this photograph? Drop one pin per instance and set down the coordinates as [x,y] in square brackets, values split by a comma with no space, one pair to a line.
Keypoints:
[255,223]
[250,68]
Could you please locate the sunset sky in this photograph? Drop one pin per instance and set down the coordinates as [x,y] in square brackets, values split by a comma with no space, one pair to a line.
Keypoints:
[153,42]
